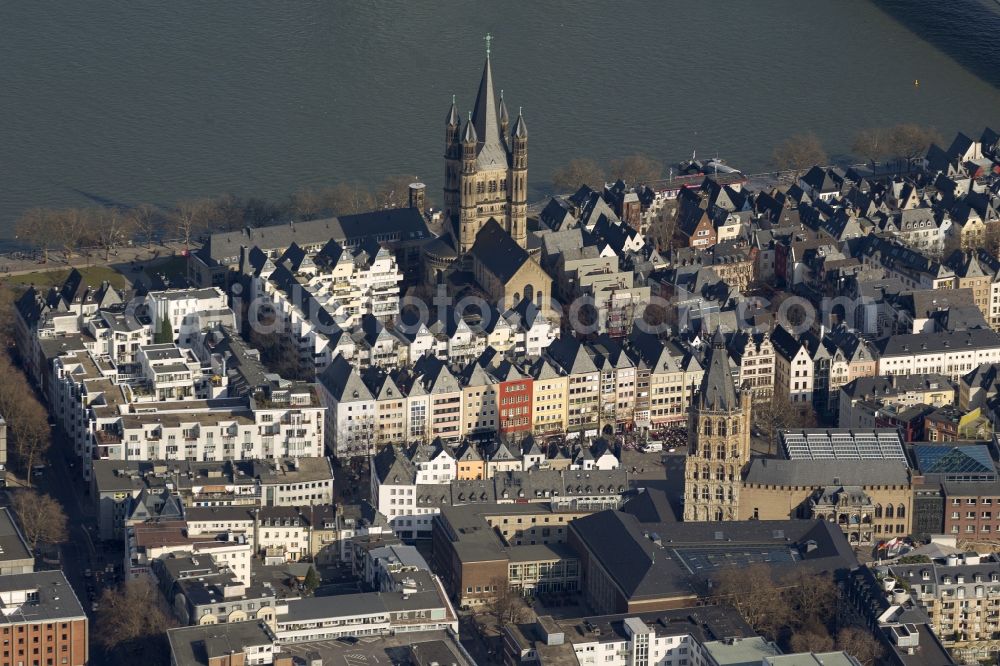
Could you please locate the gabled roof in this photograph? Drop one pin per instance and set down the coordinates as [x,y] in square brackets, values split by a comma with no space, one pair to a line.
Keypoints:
[571,356]
[784,343]
[343,382]
[497,251]
[393,467]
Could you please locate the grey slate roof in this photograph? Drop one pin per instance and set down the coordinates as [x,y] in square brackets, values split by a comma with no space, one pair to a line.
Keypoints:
[498,252]
[393,224]
[820,473]
[930,343]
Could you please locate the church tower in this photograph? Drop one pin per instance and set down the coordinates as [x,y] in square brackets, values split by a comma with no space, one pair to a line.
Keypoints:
[486,168]
[718,442]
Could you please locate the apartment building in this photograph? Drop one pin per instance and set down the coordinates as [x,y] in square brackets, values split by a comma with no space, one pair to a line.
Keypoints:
[549,397]
[862,399]
[43,622]
[117,485]
[794,370]
[961,594]
[952,353]
[583,394]
[286,423]
[178,315]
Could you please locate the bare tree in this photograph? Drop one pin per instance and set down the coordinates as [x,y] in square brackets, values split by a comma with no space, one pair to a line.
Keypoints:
[871,144]
[506,606]
[799,153]
[753,593]
[132,623]
[222,213]
[29,435]
[775,415]
[145,220]
[258,212]
[810,641]
[41,517]
[306,202]
[112,229]
[636,169]
[72,226]
[579,171]
[348,199]
[36,226]
[7,298]
[910,141]
[812,599]
[187,219]
[394,192]
[860,644]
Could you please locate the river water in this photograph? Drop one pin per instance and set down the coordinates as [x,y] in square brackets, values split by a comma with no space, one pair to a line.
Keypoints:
[117,101]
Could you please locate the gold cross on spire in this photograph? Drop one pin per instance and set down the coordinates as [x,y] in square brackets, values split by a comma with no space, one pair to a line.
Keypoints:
[488,38]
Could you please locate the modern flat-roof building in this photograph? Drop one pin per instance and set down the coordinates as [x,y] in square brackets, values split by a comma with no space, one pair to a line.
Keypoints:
[231,644]
[42,621]
[15,556]
[117,485]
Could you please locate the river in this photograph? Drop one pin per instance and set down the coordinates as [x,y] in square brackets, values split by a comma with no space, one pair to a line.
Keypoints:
[116,101]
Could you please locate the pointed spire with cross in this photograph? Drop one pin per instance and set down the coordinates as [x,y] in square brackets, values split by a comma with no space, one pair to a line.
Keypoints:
[488,39]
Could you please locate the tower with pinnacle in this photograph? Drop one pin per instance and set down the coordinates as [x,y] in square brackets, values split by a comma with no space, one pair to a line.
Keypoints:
[486,168]
[718,442]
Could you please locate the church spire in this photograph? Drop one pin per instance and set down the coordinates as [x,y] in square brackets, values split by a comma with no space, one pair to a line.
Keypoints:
[520,128]
[484,114]
[470,135]
[504,119]
[718,392]
[453,119]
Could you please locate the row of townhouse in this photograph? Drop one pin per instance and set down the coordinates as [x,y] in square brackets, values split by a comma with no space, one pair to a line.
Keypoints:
[950,353]
[409,486]
[574,387]
[375,336]
[345,283]
[810,369]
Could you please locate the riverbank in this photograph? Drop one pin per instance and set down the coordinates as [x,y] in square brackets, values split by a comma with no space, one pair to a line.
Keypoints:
[123,268]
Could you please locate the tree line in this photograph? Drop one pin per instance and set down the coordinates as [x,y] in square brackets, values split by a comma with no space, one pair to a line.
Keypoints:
[29,438]
[801,612]
[74,230]
[906,141]
[798,153]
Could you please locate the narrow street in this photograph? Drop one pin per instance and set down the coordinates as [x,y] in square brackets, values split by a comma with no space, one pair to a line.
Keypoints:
[79,554]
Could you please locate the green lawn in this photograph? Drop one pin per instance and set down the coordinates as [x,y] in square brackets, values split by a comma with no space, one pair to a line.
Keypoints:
[171,267]
[92,275]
